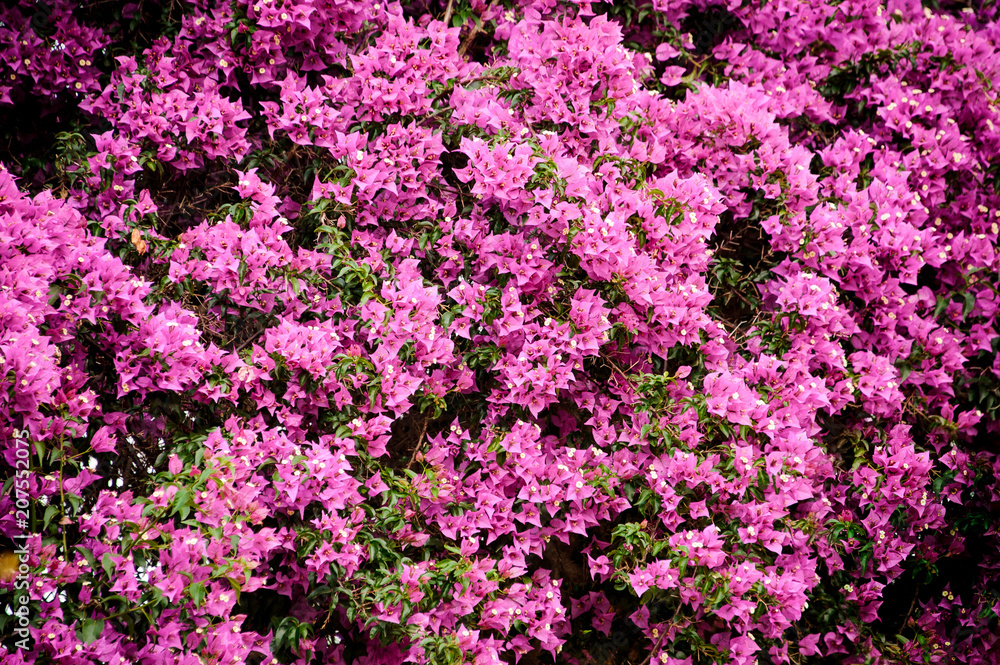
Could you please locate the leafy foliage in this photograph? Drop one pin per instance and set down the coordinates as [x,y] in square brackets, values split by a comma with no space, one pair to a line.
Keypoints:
[454,332]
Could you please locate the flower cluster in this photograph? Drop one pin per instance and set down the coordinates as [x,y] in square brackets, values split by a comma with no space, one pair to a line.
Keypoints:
[454,332]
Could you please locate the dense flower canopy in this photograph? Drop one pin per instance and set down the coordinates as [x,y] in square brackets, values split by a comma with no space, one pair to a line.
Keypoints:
[537,330]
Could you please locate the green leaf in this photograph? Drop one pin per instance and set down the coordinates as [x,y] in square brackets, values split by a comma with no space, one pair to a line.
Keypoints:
[182,502]
[236,588]
[91,629]
[197,592]
[50,512]
[88,555]
[108,564]
[970,304]
[280,636]
[942,302]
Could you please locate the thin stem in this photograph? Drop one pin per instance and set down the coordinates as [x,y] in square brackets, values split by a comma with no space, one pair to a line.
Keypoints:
[62,496]
[420,441]
[656,646]
[133,609]
[472,35]
[468,40]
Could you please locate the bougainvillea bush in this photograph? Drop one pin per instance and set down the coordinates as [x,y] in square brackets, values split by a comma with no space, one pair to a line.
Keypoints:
[463,332]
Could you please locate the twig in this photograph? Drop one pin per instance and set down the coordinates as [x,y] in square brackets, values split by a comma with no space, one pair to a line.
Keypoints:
[468,41]
[913,602]
[253,338]
[420,440]
[472,35]
[447,12]
[656,646]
